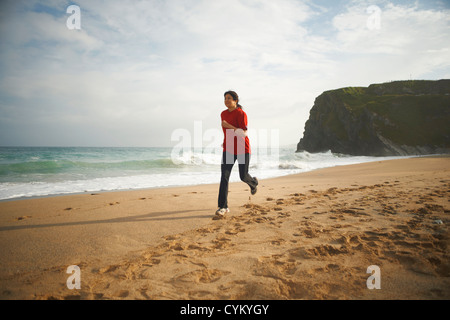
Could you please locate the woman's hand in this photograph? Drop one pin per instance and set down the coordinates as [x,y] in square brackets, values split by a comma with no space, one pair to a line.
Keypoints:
[240,133]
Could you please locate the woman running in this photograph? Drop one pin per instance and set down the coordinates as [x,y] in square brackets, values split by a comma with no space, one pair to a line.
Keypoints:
[236,146]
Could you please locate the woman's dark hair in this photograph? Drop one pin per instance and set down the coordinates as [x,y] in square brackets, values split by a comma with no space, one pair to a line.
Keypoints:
[235,97]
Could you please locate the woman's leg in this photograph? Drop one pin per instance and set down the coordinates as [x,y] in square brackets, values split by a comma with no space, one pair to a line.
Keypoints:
[226,167]
[244,162]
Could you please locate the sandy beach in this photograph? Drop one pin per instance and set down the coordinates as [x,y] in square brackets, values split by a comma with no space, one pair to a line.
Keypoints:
[305,236]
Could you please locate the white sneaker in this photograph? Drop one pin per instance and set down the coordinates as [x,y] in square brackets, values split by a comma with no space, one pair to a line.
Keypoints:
[222,211]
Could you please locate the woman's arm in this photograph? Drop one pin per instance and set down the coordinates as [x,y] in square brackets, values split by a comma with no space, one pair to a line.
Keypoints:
[226,125]
[238,131]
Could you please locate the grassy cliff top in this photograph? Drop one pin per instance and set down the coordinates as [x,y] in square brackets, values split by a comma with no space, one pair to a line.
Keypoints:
[408,87]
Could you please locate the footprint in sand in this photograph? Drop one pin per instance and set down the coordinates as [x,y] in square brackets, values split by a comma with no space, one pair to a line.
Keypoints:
[202,276]
[171,237]
[221,242]
[326,251]
[122,294]
[108,269]
[277,242]
[23,218]
[235,231]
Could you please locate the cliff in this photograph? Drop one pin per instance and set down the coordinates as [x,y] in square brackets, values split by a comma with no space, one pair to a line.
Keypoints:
[396,118]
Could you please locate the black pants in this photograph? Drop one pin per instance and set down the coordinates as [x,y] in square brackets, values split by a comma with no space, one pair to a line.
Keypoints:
[228,160]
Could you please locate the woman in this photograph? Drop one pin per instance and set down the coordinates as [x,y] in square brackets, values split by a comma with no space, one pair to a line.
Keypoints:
[236,146]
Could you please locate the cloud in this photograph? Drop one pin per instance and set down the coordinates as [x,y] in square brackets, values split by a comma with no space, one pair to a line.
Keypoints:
[409,40]
[401,29]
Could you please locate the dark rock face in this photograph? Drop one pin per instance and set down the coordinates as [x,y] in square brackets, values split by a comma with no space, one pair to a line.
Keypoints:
[397,118]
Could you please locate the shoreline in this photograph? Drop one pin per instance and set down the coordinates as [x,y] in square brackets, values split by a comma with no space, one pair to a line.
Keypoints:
[193,185]
[287,240]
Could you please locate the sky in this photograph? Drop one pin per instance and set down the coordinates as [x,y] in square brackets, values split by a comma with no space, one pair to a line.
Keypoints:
[137,72]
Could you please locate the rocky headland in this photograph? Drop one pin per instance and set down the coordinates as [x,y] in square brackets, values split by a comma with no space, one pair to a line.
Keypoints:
[396,118]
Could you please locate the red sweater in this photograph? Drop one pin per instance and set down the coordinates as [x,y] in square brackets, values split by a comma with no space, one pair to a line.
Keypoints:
[238,119]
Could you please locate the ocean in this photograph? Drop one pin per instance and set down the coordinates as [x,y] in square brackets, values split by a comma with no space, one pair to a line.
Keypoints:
[43,171]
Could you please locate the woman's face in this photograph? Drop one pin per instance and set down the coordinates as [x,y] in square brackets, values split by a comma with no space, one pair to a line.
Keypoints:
[229,102]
